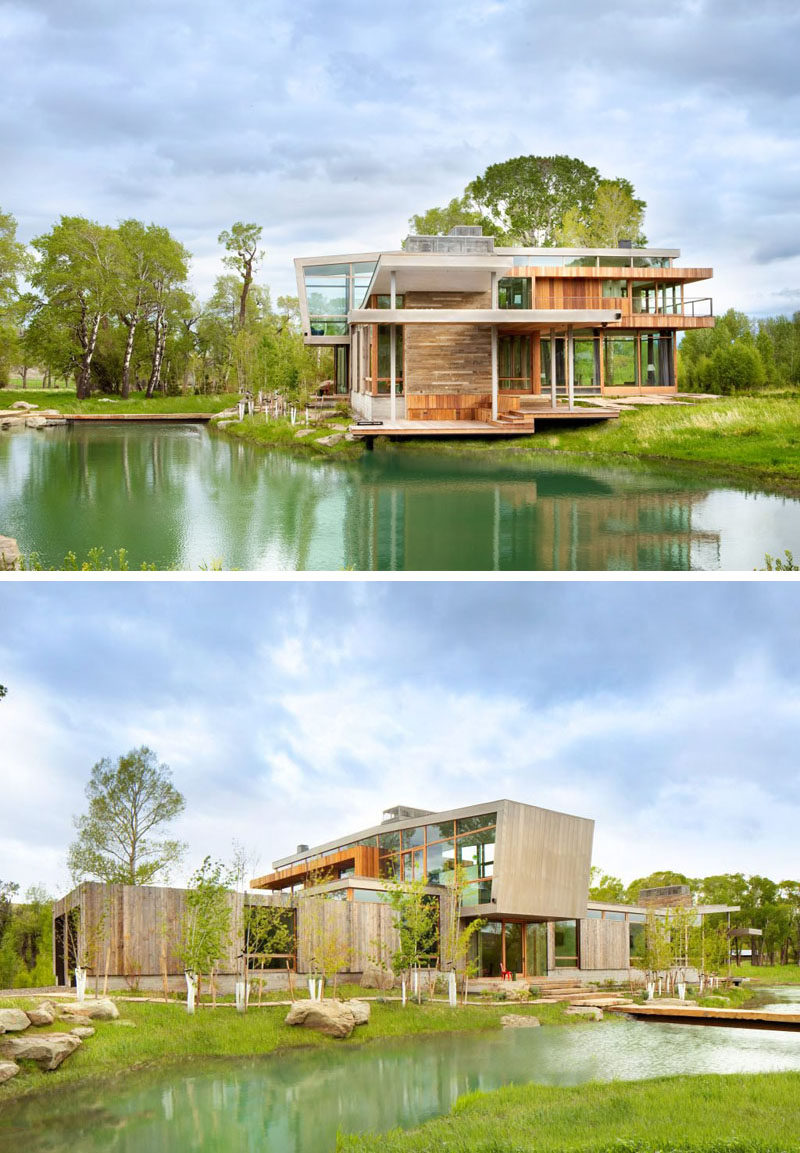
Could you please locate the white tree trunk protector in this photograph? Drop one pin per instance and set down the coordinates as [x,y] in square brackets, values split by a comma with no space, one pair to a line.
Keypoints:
[191,991]
[452,993]
[241,996]
[80,985]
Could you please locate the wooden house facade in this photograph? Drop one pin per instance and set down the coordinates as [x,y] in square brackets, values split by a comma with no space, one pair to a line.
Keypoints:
[454,328]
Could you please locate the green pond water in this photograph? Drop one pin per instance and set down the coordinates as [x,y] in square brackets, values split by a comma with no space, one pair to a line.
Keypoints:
[296,1102]
[180,496]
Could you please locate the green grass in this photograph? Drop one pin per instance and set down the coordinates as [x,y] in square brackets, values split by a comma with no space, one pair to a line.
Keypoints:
[699,1114]
[282,433]
[768,974]
[165,1033]
[65,401]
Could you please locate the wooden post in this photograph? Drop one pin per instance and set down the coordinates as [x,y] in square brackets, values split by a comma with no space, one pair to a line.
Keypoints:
[494,372]
[393,349]
[571,367]
[553,399]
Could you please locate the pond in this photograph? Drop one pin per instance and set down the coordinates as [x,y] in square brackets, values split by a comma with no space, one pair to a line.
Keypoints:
[779,998]
[180,497]
[295,1102]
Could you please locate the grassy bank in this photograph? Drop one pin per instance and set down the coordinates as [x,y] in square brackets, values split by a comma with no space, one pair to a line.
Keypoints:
[65,401]
[283,434]
[166,1033]
[757,1113]
[768,974]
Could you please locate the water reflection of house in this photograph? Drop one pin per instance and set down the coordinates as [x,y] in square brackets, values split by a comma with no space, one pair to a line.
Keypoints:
[525,872]
[554,521]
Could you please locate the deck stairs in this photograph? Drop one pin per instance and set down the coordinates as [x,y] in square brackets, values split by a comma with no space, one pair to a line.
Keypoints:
[554,992]
[516,418]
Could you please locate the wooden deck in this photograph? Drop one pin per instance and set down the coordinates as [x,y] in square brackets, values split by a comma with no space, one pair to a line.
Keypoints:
[694,1015]
[448,428]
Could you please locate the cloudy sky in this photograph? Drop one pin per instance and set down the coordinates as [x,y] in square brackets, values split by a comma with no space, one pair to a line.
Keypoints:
[293,712]
[331,124]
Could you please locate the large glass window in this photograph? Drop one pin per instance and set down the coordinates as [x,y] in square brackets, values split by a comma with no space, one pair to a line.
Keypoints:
[514,292]
[656,360]
[637,935]
[384,383]
[513,935]
[615,288]
[514,362]
[441,858]
[442,831]
[614,261]
[413,837]
[587,360]
[328,298]
[536,949]
[620,361]
[385,301]
[544,362]
[566,944]
[328,327]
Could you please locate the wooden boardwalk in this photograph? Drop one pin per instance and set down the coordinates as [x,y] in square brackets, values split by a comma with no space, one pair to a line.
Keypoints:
[695,1015]
[184,417]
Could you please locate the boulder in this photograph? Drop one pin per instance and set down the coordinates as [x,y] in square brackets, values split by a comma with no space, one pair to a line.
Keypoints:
[333,1018]
[590,1011]
[13,1020]
[102,1009]
[48,1049]
[360,1010]
[516,1021]
[8,1070]
[10,556]
[36,422]
[330,441]
[303,432]
[23,405]
[43,1014]
[82,1031]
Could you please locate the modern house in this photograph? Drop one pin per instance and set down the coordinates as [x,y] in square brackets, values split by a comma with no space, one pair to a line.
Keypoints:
[525,871]
[455,328]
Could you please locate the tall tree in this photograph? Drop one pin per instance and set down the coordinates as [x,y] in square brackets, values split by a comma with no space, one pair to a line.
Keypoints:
[13,263]
[244,255]
[130,803]
[616,214]
[525,198]
[77,277]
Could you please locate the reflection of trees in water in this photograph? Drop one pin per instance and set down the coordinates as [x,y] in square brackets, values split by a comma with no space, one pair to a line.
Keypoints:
[415,517]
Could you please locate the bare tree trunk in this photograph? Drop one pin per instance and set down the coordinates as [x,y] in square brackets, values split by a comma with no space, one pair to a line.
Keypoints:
[24,375]
[248,280]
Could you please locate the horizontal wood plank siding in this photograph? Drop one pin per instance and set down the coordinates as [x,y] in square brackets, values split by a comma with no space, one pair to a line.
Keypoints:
[447,359]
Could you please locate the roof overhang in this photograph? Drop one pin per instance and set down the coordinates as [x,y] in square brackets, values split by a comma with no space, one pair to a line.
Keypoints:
[507,317]
[436,272]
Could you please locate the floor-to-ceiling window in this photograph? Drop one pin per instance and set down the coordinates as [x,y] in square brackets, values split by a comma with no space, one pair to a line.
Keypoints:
[566,944]
[586,358]
[619,360]
[514,362]
[517,946]
[383,382]
[545,365]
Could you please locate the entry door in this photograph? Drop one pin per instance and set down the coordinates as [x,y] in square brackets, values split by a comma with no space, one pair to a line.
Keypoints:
[536,950]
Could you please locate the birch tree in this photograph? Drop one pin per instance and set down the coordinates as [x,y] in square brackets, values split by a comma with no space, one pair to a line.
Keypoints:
[77,278]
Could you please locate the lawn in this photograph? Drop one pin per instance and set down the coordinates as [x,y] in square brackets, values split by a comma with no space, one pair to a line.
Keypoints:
[757,1113]
[166,1033]
[768,974]
[64,400]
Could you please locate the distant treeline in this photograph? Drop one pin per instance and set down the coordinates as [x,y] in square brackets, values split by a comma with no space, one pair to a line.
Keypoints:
[26,938]
[772,906]
[109,308]
[740,354]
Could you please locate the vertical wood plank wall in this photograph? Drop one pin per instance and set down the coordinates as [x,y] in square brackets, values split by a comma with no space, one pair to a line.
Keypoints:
[604,944]
[542,862]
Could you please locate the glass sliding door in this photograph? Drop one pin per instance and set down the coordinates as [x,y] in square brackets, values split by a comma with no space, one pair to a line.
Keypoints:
[536,949]
[514,362]
[513,944]
[544,365]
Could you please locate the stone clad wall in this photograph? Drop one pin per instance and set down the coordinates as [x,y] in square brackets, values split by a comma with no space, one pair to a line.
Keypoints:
[448,359]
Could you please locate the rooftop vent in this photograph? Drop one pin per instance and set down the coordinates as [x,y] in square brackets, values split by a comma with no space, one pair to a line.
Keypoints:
[403,813]
[624,244]
[302,848]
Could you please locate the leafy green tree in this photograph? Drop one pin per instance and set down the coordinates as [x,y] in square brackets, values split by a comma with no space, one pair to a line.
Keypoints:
[603,887]
[416,920]
[14,262]
[3,691]
[206,923]
[241,244]
[26,938]
[526,198]
[616,214]
[77,278]
[130,802]
[439,221]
